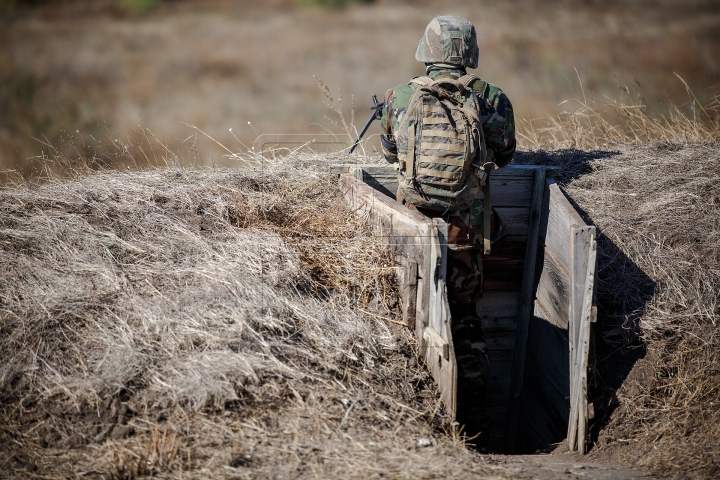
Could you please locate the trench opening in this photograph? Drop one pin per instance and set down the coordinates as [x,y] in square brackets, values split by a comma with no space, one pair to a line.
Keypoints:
[542,409]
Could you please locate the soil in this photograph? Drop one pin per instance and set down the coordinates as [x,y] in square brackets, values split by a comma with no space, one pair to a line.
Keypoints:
[567,466]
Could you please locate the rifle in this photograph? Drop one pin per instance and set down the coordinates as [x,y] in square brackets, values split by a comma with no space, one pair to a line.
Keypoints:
[377,113]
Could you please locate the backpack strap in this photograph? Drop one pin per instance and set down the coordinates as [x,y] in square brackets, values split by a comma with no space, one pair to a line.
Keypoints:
[440,92]
[487,207]
[420,81]
[468,79]
[487,217]
[411,149]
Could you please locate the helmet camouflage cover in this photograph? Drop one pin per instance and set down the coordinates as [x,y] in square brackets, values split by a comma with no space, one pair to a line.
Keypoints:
[449,39]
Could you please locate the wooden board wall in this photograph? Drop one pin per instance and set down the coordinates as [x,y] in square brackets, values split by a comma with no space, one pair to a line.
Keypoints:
[553,399]
[526,317]
[421,246]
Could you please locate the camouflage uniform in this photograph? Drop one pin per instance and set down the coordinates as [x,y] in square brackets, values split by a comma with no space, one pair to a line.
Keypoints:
[465,227]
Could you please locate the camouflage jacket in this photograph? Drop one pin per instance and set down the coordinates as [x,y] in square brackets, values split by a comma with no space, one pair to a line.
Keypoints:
[497,116]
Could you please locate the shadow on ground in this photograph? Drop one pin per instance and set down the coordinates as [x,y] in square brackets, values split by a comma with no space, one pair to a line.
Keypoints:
[623,291]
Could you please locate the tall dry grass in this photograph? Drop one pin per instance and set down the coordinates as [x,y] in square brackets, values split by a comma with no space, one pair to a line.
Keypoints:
[594,123]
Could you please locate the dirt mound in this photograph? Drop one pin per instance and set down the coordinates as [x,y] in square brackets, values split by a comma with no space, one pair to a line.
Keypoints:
[657,383]
[204,324]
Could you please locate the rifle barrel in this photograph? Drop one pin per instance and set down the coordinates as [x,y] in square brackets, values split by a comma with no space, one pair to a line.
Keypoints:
[377,109]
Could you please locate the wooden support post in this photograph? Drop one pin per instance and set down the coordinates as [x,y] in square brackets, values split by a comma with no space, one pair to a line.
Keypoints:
[583,244]
[408,290]
[527,299]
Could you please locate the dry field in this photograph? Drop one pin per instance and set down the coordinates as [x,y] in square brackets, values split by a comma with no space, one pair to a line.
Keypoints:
[208,324]
[238,323]
[83,68]
[225,323]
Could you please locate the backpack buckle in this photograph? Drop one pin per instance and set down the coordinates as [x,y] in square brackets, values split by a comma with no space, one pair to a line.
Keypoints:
[480,172]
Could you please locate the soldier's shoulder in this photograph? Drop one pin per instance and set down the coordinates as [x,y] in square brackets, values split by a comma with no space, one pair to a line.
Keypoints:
[486,89]
[401,95]
[404,89]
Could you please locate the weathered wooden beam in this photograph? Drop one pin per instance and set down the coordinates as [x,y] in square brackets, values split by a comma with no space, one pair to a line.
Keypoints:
[584,252]
[509,170]
[527,298]
[408,290]
[423,242]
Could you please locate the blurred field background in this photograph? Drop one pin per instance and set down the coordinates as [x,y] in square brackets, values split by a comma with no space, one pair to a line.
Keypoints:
[75,74]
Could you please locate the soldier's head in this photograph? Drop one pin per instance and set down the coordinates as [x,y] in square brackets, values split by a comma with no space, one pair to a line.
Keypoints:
[449,39]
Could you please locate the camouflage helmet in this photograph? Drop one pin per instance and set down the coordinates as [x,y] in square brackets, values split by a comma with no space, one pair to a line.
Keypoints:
[449,39]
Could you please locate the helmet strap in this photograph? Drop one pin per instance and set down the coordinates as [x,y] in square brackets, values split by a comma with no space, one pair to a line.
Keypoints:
[429,67]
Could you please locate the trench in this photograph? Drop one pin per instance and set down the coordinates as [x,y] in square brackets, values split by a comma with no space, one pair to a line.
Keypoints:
[537,311]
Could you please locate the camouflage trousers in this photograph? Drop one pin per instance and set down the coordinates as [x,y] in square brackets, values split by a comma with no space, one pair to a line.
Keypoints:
[465,287]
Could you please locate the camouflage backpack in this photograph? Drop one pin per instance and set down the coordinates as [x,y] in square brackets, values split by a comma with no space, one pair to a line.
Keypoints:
[441,148]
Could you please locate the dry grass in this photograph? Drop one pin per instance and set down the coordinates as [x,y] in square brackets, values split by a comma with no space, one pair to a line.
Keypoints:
[593,123]
[204,324]
[651,187]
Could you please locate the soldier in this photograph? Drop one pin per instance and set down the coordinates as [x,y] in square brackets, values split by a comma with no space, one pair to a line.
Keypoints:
[447,48]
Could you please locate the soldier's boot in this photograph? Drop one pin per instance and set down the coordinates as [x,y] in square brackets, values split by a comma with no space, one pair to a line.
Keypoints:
[472,361]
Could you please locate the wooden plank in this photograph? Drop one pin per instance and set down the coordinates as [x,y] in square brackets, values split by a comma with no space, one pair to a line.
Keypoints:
[548,356]
[514,239]
[385,181]
[499,339]
[578,257]
[584,251]
[553,292]
[499,325]
[378,170]
[421,312]
[528,170]
[525,311]
[498,304]
[440,360]
[372,168]
[541,416]
[408,283]
[444,369]
[438,269]
[560,218]
[391,214]
[513,191]
[504,267]
[545,402]
[515,219]
[425,241]
[507,248]
[503,276]
[387,187]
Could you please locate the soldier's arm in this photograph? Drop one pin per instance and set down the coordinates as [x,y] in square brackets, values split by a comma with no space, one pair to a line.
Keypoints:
[499,126]
[387,139]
